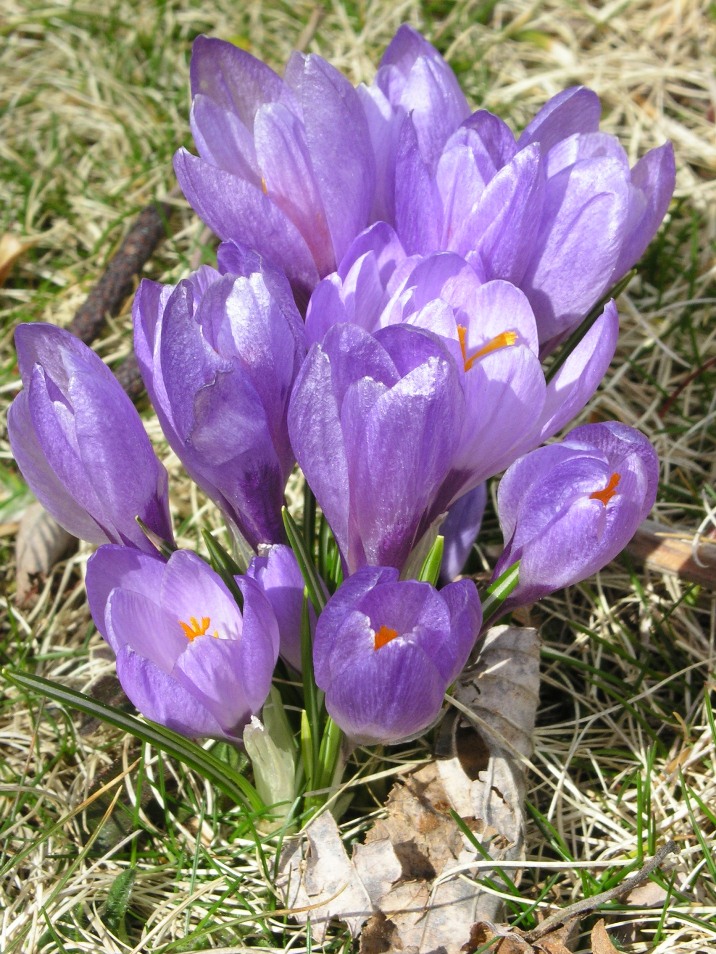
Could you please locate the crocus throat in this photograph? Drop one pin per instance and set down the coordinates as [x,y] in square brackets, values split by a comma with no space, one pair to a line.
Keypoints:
[383,636]
[606,495]
[503,340]
[194,628]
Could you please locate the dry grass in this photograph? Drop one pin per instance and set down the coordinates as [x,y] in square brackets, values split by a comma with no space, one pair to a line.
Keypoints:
[95,103]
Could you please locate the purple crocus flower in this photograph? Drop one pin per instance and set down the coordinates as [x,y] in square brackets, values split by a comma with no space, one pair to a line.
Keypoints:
[373,422]
[412,80]
[491,332]
[219,354]
[285,165]
[567,509]
[187,657]
[386,651]
[278,574]
[531,219]
[80,443]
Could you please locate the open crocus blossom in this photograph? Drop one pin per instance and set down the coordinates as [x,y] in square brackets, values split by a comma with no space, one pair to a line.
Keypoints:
[80,443]
[567,509]
[526,212]
[490,330]
[372,420]
[523,211]
[285,165]
[219,354]
[385,652]
[187,657]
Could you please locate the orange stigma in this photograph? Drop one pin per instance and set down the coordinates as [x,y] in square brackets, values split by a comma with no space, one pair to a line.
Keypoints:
[384,636]
[606,495]
[194,628]
[264,187]
[503,340]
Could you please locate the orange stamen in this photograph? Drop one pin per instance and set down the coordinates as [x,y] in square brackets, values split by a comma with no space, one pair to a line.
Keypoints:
[606,495]
[503,340]
[384,636]
[264,187]
[194,628]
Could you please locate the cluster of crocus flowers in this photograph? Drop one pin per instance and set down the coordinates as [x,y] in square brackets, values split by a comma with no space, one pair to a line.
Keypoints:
[395,271]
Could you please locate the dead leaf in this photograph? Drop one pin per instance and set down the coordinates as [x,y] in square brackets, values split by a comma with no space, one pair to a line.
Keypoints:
[503,939]
[558,941]
[11,248]
[319,881]
[41,543]
[601,943]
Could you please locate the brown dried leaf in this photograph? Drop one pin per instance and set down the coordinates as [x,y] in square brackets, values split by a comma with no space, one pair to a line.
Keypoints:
[11,249]
[482,782]
[503,939]
[319,881]
[558,941]
[601,944]
[41,542]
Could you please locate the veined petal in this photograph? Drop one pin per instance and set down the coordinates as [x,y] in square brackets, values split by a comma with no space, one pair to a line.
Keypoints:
[343,165]
[574,110]
[236,209]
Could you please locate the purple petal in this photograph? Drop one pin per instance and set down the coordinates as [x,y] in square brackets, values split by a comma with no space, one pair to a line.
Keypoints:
[460,529]
[236,209]
[500,234]
[113,566]
[579,377]
[574,110]
[161,698]
[232,78]
[338,142]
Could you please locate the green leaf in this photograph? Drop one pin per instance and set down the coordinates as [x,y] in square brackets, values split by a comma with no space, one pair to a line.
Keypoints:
[580,331]
[225,566]
[313,582]
[115,908]
[430,570]
[497,592]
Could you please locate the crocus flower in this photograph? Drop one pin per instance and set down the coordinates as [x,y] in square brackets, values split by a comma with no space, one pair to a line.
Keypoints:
[219,354]
[567,509]
[372,421]
[187,657]
[491,332]
[524,211]
[386,651]
[412,80]
[277,572]
[80,443]
[285,165]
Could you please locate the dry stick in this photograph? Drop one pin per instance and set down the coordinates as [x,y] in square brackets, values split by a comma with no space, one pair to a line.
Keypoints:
[117,282]
[588,905]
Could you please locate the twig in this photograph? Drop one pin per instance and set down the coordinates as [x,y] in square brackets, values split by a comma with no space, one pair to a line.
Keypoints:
[309,31]
[666,549]
[117,282]
[588,905]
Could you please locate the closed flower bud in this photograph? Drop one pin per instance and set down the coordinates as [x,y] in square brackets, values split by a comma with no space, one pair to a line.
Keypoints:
[567,509]
[80,443]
